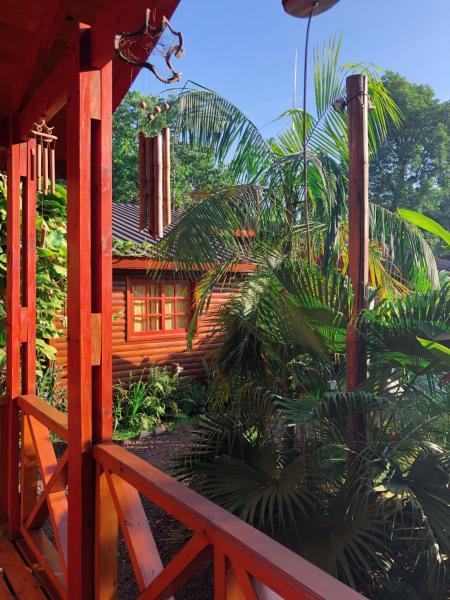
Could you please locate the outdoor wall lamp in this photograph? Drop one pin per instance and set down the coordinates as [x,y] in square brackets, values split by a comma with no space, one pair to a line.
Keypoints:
[340,105]
[303,8]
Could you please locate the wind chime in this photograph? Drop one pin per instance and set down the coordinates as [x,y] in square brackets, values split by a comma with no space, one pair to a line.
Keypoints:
[45,168]
[154,151]
[155,212]
[45,157]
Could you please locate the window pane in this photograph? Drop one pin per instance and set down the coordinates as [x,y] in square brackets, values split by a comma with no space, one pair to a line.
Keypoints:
[182,306]
[169,289]
[169,323]
[181,322]
[139,307]
[155,306]
[139,324]
[153,289]
[181,289]
[139,290]
[169,307]
[155,323]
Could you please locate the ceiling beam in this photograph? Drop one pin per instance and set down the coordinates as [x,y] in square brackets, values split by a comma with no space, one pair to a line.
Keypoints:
[52,95]
[40,47]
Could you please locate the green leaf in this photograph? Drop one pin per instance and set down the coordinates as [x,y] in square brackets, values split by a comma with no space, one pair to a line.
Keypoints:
[425,223]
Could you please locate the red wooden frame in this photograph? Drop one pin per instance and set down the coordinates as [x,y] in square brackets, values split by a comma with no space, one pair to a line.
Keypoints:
[163,333]
[95,486]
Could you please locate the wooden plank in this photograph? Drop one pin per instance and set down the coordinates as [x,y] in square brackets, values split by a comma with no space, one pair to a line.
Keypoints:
[46,414]
[102,257]
[23,327]
[220,589]
[151,265]
[180,569]
[96,338]
[29,271]
[280,569]
[56,483]
[141,545]
[244,582]
[106,541]
[45,552]
[13,337]
[48,99]
[18,574]
[79,308]
[28,472]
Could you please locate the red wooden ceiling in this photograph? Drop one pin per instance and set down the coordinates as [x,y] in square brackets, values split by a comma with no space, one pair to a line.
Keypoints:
[34,37]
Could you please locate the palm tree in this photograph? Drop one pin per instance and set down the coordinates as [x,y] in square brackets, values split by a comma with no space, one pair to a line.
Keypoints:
[274,446]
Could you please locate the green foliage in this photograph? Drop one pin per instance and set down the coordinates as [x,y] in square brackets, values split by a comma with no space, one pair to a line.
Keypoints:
[274,447]
[411,168]
[143,403]
[192,169]
[50,269]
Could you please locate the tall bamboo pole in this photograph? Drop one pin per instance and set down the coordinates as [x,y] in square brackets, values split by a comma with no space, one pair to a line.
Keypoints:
[358,268]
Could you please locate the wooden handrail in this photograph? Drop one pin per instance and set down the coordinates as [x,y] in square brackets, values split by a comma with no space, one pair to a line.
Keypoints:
[274,565]
[46,414]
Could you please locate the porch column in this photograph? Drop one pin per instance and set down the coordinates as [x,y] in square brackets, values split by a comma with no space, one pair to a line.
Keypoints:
[10,421]
[20,323]
[89,303]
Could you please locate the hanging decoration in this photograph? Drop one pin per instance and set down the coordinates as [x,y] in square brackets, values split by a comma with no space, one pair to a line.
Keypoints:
[45,157]
[134,47]
[155,212]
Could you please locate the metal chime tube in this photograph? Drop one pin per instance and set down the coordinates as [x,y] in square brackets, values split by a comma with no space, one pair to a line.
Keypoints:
[39,165]
[158,186]
[45,151]
[142,183]
[167,209]
[52,169]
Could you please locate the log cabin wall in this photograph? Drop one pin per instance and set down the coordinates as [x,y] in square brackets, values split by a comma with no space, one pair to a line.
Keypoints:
[132,357]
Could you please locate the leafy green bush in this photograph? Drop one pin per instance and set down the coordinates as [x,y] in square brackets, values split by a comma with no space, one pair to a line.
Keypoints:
[157,395]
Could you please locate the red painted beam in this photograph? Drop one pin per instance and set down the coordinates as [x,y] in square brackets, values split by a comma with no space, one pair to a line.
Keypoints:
[10,484]
[41,43]
[79,386]
[53,93]
[157,265]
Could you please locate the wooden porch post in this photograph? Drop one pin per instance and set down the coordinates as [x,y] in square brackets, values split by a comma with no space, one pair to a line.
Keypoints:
[20,320]
[89,310]
[11,420]
[358,268]
[79,386]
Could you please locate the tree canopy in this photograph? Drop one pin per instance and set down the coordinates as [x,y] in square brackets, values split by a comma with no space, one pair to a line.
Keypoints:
[411,168]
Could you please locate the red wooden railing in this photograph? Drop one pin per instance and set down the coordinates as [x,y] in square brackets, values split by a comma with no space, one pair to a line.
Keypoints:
[39,462]
[247,564]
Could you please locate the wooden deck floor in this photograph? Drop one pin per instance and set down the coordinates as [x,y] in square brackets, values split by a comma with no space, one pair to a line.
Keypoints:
[16,580]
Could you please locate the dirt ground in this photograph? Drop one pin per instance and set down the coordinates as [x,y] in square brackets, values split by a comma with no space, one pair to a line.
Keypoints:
[169,535]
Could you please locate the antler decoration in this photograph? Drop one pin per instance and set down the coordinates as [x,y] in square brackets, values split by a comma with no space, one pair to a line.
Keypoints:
[126,44]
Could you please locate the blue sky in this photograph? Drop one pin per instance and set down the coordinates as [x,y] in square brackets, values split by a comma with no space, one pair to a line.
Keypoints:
[244,49]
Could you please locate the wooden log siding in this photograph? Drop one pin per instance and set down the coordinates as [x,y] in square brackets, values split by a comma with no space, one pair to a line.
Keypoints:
[134,356]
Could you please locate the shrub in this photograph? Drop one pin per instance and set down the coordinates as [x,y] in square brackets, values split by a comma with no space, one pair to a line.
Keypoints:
[155,396]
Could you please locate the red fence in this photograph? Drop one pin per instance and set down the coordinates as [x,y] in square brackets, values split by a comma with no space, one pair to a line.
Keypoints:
[247,563]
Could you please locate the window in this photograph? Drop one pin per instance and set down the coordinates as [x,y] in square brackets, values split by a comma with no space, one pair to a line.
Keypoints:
[157,307]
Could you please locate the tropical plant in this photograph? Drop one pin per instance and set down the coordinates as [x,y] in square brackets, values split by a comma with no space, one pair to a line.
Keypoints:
[261,218]
[274,447]
[143,402]
[50,269]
